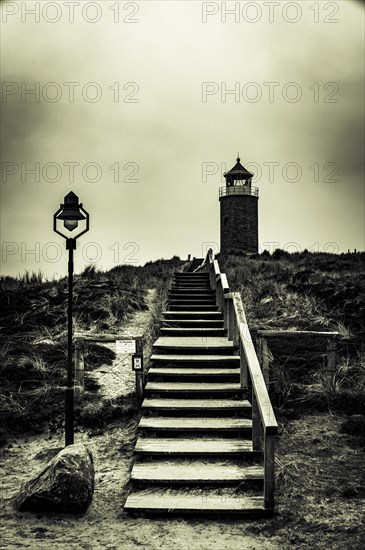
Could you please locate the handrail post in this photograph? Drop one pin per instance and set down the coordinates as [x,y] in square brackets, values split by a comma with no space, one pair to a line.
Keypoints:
[212,280]
[243,367]
[218,293]
[221,295]
[256,422]
[225,313]
[231,318]
[269,472]
[235,330]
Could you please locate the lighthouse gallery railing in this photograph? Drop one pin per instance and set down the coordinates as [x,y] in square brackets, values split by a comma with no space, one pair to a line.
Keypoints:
[238,190]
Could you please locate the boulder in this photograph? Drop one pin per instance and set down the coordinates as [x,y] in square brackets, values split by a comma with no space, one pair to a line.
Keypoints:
[65,485]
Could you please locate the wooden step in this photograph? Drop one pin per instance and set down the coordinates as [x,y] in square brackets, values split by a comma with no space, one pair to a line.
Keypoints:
[192,300]
[199,359]
[188,371]
[191,282]
[188,286]
[194,405]
[192,323]
[192,307]
[191,291]
[189,296]
[219,352]
[183,374]
[188,446]
[191,303]
[172,317]
[193,387]
[186,304]
[194,425]
[191,275]
[194,343]
[192,315]
[148,502]
[192,331]
[191,279]
[195,472]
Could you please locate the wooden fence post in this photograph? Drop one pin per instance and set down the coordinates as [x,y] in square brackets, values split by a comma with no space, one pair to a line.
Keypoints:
[331,359]
[139,384]
[140,375]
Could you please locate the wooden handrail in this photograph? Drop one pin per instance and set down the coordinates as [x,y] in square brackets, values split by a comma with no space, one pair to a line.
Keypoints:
[297,333]
[244,336]
[263,400]
[263,417]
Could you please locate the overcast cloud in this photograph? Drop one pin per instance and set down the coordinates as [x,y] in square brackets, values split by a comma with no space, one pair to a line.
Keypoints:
[164,133]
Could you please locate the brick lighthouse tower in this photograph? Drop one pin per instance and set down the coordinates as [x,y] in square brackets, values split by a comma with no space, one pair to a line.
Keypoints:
[239,212]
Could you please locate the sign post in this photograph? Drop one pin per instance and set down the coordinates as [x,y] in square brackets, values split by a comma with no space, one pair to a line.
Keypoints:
[137,365]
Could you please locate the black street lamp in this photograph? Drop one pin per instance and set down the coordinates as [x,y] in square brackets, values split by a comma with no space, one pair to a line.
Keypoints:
[71,213]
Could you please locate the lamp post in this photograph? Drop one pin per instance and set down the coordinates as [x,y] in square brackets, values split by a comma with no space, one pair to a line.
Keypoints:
[71,213]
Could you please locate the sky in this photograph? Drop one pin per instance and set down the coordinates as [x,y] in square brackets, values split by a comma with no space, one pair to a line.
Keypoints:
[139,108]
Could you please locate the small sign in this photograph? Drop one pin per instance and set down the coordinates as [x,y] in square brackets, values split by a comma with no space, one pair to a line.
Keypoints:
[125,346]
[137,362]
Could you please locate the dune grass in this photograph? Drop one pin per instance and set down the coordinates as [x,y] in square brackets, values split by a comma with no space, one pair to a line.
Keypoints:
[307,291]
[33,339]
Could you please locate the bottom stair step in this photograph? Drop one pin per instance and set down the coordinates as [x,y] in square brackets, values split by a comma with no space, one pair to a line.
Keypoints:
[205,502]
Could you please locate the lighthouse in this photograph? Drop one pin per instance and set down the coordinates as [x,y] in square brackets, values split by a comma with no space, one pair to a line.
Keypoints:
[239,212]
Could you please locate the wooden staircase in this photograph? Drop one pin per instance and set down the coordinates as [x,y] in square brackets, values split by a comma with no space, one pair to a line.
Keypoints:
[194,454]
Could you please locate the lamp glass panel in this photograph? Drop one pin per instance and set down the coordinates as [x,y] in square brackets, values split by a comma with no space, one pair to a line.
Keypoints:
[70,224]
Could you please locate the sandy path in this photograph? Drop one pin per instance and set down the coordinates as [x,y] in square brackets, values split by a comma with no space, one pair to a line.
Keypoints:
[119,379]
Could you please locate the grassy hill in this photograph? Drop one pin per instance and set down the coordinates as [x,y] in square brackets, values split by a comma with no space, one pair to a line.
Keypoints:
[307,291]
[33,339]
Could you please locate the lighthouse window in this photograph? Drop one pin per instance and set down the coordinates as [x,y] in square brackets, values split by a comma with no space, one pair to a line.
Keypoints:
[225,221]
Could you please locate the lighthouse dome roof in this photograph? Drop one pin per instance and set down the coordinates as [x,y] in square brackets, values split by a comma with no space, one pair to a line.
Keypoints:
[238,172]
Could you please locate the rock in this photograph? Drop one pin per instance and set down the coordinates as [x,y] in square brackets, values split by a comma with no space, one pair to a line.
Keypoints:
[65,485]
